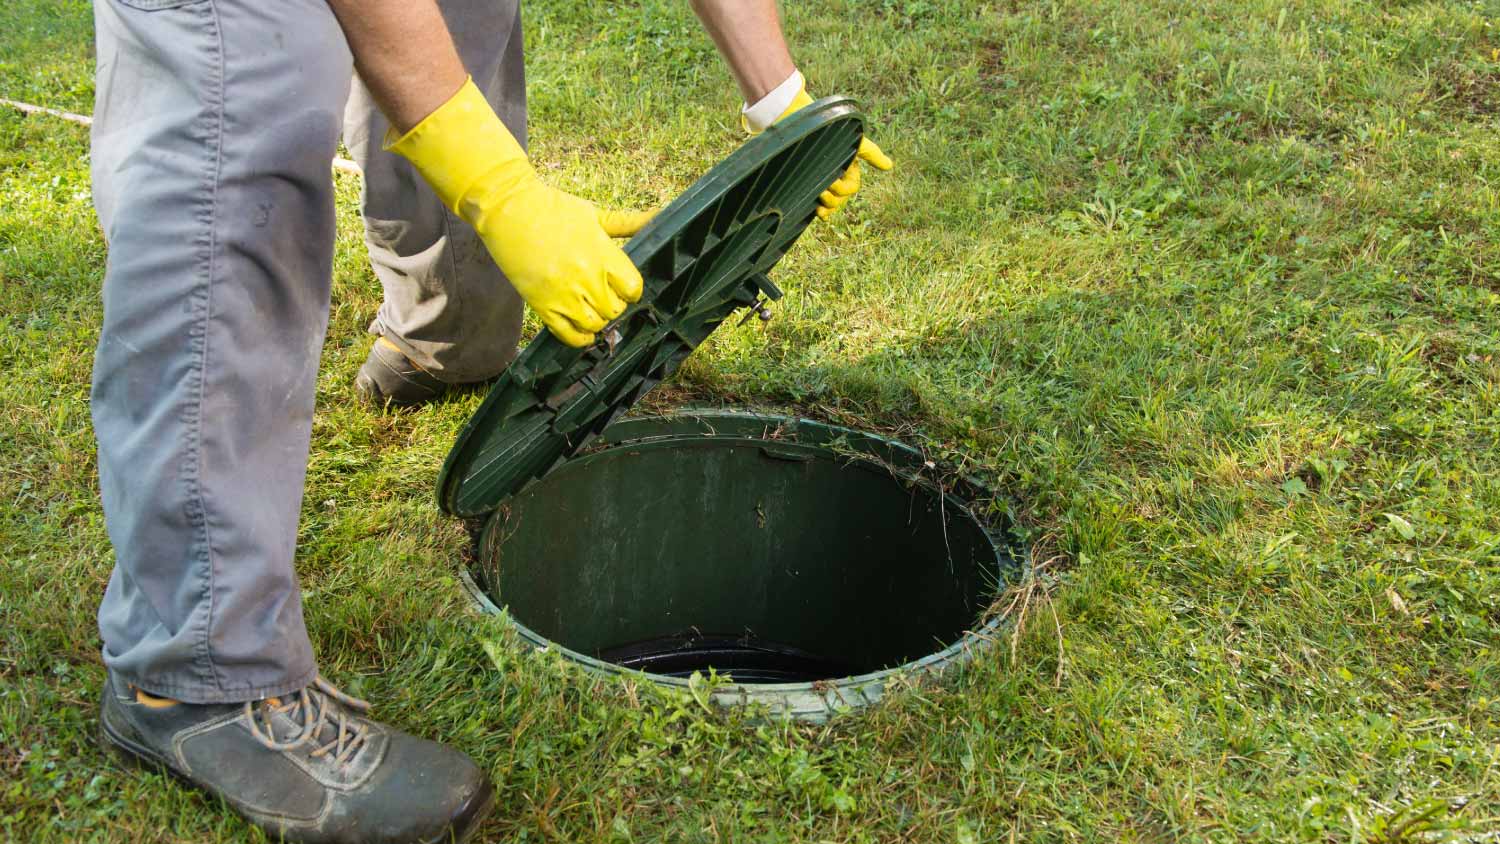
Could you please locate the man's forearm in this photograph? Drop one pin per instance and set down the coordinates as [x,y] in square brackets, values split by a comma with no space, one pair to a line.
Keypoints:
[748,35]
[404,55]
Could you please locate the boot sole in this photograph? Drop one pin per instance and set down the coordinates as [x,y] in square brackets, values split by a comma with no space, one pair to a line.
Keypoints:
[461,828]
[469,817]
[135,755]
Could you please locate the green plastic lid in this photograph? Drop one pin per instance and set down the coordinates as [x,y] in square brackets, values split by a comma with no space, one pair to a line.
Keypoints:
[702,258]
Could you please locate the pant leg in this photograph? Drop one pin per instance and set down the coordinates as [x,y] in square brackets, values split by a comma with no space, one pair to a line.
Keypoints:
[447,306]
[215,124]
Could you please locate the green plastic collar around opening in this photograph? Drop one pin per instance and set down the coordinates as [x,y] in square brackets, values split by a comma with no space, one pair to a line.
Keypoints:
[704,256]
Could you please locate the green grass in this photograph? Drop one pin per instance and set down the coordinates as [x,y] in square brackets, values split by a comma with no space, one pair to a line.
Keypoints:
[1209,287]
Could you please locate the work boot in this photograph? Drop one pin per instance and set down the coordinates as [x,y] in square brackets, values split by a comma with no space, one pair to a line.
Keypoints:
[389,377]
[304,767]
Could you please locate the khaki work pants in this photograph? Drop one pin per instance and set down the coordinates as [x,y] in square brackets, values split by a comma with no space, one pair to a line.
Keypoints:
[215,125]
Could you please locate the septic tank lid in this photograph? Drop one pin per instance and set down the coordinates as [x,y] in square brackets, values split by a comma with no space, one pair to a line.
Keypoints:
[702,258]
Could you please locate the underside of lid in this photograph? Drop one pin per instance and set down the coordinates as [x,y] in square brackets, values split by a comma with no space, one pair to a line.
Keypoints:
[702,258]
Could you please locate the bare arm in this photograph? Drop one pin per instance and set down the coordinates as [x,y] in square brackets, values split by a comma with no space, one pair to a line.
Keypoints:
[404,54]
[748,35]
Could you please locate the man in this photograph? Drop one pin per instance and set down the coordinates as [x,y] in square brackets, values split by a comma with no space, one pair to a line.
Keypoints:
[215,124]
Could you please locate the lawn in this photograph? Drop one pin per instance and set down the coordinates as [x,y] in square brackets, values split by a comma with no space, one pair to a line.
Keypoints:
[1208,288]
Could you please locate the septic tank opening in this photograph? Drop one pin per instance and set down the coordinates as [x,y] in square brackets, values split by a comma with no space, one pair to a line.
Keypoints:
[771,550]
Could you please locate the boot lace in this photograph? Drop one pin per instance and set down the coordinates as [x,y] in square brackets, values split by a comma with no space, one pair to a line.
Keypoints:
[313,709]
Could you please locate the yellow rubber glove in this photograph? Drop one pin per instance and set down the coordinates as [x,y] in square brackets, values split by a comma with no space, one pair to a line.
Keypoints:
[554,247]
[840,192]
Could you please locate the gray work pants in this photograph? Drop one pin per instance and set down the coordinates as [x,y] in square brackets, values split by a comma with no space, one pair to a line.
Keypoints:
[215,125]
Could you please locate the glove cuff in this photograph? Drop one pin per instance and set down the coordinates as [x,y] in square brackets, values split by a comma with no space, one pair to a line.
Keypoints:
[461,144]
[775,105]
